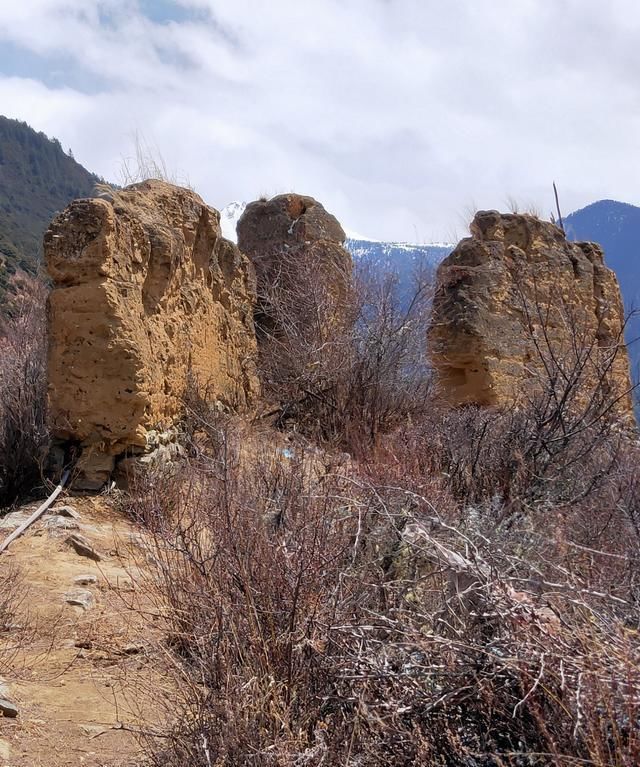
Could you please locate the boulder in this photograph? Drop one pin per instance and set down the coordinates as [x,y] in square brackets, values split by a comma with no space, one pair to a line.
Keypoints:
[86,580]
[517,300]
[147,299]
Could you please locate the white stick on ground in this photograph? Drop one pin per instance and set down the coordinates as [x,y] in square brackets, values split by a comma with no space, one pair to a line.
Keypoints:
[36,514]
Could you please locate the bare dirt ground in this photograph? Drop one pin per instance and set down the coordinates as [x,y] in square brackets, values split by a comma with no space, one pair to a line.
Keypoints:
[84,678]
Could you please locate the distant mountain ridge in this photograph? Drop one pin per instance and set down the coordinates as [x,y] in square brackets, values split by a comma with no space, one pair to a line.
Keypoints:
[400,258]
[37,179]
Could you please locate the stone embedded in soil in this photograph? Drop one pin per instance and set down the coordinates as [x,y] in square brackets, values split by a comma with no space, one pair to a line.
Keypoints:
[54,524]
[8,708]
[133,648]
[5,749]
[93,730]
[83,547]
[66,511]
[15,519]
[86,580]
[80,598]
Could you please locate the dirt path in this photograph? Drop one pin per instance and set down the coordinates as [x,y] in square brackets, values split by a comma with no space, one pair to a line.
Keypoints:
[85,675]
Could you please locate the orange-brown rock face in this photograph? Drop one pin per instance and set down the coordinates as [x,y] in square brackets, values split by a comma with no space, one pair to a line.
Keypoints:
[512,297]
[297,249]
[146,294]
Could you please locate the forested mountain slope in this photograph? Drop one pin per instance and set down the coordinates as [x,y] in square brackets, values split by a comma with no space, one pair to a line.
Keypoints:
[37,178]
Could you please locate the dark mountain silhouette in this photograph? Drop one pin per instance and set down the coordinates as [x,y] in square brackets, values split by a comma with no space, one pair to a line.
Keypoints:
[37,179]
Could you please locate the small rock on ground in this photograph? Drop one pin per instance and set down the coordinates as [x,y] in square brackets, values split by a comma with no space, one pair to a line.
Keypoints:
[15,519]
[80,598]
[8,708]
[66,511]
[132,648]
[83,547]
[5,749]
[61,523]
[93,730]
[86,580]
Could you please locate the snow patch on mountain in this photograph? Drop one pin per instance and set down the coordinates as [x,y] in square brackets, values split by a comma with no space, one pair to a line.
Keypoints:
[229,217]
[398,257]
[401,257]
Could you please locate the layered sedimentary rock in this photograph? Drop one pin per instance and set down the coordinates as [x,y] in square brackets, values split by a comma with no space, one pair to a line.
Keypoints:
[516,303]
[147,298]
[301,265]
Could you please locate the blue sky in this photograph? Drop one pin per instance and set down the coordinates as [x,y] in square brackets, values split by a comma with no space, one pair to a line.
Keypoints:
[401,116]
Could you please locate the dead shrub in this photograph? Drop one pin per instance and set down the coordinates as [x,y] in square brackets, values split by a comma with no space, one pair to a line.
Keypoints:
[17,628]
[320,616]
[466,595]
[24,433]
[344,366]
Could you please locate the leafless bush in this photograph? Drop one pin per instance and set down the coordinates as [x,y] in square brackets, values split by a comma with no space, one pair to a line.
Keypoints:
[23,395]
[17,627]
[467,596]
[344,365]
[318,616]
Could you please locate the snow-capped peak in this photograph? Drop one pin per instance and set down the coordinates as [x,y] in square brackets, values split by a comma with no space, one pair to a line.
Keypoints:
[351,235]
[229,216]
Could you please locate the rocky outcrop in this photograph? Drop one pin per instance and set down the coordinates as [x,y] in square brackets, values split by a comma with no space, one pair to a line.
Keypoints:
[147,297]
[516,300]
[296,247]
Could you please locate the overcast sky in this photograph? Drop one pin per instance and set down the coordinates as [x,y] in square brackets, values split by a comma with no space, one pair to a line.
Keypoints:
[401,116]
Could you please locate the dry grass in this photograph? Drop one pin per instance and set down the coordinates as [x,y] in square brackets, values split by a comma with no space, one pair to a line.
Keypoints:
[465,594]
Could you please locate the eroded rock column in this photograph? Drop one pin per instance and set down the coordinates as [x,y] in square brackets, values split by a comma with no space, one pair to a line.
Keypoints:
[147,299]
[517,301]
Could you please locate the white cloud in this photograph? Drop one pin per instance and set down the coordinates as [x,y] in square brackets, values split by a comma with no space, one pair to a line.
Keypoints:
[399,115]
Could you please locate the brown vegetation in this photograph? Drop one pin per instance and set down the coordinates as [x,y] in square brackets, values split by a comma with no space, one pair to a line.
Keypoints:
[348,381]
[461,590]
[466,594]
[24,435]
[317,614]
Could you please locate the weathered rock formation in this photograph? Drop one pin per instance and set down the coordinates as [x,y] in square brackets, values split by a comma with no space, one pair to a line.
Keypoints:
[516,300]
[301,265]
[147,296]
